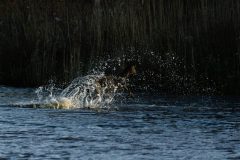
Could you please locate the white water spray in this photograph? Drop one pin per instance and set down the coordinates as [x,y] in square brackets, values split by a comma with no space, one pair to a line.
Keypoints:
[81,93]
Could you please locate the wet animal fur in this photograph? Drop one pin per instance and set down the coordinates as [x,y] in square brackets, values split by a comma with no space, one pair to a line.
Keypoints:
[113,83]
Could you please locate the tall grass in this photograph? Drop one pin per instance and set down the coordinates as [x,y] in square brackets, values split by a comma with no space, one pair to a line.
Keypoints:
[60,39]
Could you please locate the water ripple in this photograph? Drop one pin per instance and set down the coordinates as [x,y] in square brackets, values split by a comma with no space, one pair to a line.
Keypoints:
[152,127]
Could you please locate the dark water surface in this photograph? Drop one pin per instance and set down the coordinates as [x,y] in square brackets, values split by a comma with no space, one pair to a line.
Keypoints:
[149,127]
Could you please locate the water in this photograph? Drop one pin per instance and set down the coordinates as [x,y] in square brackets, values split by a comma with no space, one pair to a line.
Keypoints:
[147,127]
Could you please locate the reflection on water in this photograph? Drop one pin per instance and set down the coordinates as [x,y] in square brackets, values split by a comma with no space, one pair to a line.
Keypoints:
[148,127]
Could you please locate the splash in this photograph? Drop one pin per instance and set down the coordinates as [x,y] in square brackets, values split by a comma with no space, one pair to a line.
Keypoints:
[164,73]
[83,92]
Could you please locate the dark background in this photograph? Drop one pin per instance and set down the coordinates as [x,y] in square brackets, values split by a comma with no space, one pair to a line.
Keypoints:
[179,46]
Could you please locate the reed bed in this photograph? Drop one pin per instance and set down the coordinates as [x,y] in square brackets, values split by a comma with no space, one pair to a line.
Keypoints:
[62,39]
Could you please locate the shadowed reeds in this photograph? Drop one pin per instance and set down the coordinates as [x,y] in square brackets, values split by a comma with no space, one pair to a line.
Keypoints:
[60,39]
